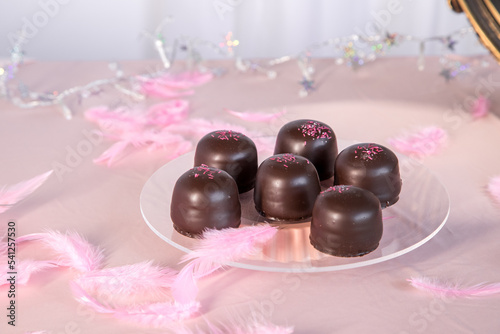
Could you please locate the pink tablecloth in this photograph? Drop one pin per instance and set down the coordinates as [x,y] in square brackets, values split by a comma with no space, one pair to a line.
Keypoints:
[372,103]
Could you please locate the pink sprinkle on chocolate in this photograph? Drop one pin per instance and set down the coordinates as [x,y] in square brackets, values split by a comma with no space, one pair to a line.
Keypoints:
[337,189]
[286,159]
[368,151]
[315,130]
[227,134]
[205,170]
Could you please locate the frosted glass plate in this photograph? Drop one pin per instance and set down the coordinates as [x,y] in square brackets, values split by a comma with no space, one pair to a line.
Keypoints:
[417,217]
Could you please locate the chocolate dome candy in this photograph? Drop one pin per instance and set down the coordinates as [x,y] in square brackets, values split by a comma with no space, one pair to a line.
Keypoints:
[372,167]
[286,187]
[346,221]
[311,139]
[232,152]
[204,197]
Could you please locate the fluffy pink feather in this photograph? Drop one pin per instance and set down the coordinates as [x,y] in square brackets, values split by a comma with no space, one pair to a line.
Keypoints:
[149,128]
[185,287]
[109,156]
[10,195]
[153,314]
[427,141]
[481,107]
[256,116]
[86,299]
[29,237]
[494,188]
[143,277]
[24,270]
[227,245]
[156,139]
[214,250]
[174,85]
[106,118]
[446,289]
[71,248]
[167,113]
[152,139]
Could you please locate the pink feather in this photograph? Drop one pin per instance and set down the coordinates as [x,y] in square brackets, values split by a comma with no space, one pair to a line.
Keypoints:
[445,289]
[11,195]
[167,113]
[427,141]
[24,270]
[29,237]
[72,249]
[152,139]
[156,139]
[152,314]
[185,287]
[216,249]
[133,279]
[150,129]
[481,107]
[109,156]
[256,116]
[83,297]
[494,188]
[105,117]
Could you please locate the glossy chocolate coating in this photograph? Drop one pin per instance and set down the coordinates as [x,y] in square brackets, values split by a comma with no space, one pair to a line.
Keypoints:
[204,197]
[346,221]
[286,187]
[372,167]
[313,140]
[232,152]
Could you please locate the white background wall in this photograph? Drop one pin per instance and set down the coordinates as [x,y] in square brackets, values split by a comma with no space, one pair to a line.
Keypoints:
[111,29]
